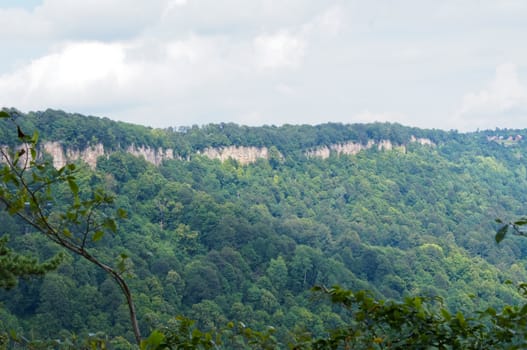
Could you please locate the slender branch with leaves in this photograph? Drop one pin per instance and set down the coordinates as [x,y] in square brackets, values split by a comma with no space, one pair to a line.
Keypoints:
[27,190]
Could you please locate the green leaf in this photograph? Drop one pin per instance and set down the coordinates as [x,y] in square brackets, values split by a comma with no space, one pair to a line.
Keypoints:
[521,222]
[97,236]
[19,154]
[461,319]
[500,235]
[97,197]
[121,213]
[21,134]
[34,138]
[13,334]
[491,311]
[73,187]
[4,114]
[67,233]
[14,208]
[153,341]
[446,314]
[110,224]
[121,263]
[418,303]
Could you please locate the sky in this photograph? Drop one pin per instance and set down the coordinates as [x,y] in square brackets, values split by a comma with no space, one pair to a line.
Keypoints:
[447,64]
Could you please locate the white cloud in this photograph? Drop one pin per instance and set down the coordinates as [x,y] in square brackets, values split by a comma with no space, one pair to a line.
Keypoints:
[179,62]
[100,20]
[502,103]
[103,60]
[279,50]
[140,75]
[288,46]
[171,5]
[504,93]
[75,75]
[409,55]
[22,25]
[286,89]
[330,22]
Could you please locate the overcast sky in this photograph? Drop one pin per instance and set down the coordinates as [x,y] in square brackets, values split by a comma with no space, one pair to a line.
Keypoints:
[449,64]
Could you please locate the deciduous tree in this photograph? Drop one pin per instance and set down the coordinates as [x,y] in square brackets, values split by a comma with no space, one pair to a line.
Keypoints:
[27,190]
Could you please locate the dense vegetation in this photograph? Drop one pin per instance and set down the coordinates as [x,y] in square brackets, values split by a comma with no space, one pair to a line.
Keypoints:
[220,241]
[76,131]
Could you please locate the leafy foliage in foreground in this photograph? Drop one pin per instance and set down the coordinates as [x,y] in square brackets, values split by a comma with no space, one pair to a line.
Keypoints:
[27,191]
[13,265]
[415,323]
[422,323]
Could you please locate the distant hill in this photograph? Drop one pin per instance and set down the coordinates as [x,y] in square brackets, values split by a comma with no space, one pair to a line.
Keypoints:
[235,222]
[89,137]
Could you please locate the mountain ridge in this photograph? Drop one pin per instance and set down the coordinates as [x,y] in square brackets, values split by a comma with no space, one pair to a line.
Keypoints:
[69,137]
[230,241]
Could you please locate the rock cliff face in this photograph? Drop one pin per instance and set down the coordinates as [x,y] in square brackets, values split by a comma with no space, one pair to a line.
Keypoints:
[5,156]
[422,141]
[90,154]
[152,155]
[61,158]
[244,155]
[352,148]
[349,148]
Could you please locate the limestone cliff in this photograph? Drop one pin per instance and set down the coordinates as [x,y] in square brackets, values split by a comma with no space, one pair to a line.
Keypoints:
[60,158]
[90,154]
[422,141]
[352,148]
[244,155]
[349,148]
[154,156]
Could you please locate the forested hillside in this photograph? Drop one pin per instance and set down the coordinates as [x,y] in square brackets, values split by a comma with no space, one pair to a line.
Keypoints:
[220,240]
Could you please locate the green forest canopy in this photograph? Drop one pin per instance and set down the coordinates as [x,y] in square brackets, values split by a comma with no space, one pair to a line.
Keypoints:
[218,241]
